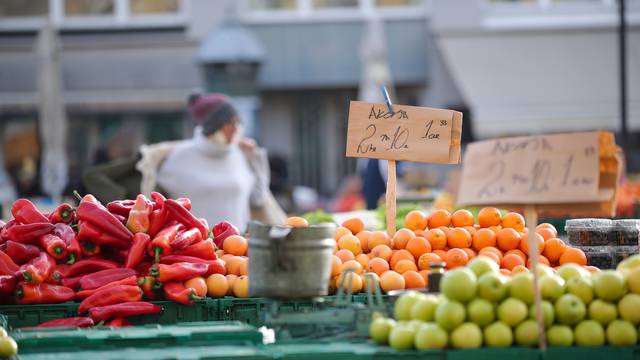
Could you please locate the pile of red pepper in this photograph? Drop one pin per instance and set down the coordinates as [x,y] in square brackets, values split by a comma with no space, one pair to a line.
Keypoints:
[108,258]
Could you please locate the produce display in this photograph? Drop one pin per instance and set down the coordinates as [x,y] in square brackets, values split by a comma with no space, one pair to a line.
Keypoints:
[457,239]
[479,306]
[113,259]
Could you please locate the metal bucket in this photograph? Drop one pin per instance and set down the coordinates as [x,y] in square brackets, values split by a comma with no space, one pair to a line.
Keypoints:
[287,262]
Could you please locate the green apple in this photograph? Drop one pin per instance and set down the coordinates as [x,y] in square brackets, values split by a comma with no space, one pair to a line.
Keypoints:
[459,284]
[560,335]
[498,334]
[569,309]
[450,314]
[547,312]
[633,280]
[522,287]
[401,337]
[602,311]
[8,347]
[512,311]
[632,262]
[431,336]
[493,286]
[482,264]
[466,336]
[589,333]
[568,271]
[629,308]
[621,333]
[481,312]
[402,307]
[609,285]
[380,329]
[544,270]
[425,308]
[581,287]
[526,333]
[551,287]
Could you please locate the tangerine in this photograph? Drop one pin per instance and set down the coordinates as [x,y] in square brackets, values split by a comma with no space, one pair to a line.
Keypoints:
[514,221]
[573,255]
[483,238]
[378,266]
[518,252]
[403,266]
[235,245]
[455,258]
[364,237]
[351,265]
[402,237]
[413,280]
[459,238]
[489,216]
[415,220]
[241,287]
[297,222]
[217,285]
[428,258]
[437,238]
[510,261]
[383,252]
[418,246]
[462,218]
[524,243]
[342,231]
[440,217]
[336,265]
[391,280]
[351,243]
[553,249]
[400,255]
[345,255]
[379,238]
[508,239]
[355,225]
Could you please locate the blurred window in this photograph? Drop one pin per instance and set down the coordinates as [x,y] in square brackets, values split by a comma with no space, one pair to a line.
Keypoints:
[163,127]
[334,3]
[139,7]
[22,8]
[273,4]
[88,7]
[397,2]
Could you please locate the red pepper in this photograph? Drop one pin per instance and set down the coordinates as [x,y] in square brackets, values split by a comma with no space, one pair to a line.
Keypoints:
[215,266]
[161,244]
[110,296]
[138,219]
[8,284]
[86,266]
[182,215]
[66,233]
[148,286]
[25,212]
[21,253]
[29,232]
[96,214]
[118,323]
[64,214]
[177,292]
[4,233]
[223,230]
[143,267]
[90,232]
[185,202]
[38,269]
[203,250]
[186,238]
[127,309]
[104,277]
[121,207]
[72,282]
[158,218]
[90,248]
[137,251]
[7,266]
[121,218]
[54,246]
[181,271]
[43,294]
[74,322]
[130,280]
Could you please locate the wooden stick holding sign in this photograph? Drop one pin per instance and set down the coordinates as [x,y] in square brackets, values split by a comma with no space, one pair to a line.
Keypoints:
[391,178]
[531,218]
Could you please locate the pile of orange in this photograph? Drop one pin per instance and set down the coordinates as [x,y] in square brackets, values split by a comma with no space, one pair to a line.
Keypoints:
[402,261]
[236,281]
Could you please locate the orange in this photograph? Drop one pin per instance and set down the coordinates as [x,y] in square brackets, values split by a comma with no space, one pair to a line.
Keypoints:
[518,252]
[470,253]
[198,284]
[391,280]
[493,250]
[364,236]
[233,265]
[382,251]
[219,253]
[546,233]
[418,246]
[402,237]
[441,253]
[401,255]
[459,238]
[524,243]
[483,238]
[541,261]
[445,230]
[489,216]
[367,284]
[231,279]
[217,285]
[519,269]
[496,229]
[415,220]
[573,255]
[241,287]
[553,249]
[403,266]
[592,269]
[379,238]
[426,259]
[491,255]
[413,280]
[436,238]
[226,257]
[332,285]
[355,225]
[508,239]
[505,272]
[462,218]
[342,231]
[514,221]
[351,243]
[235,245]
[336,265]
[363,259]
[455,258]
[439,218]
[548,226]
[243,268]
[345,255]
[510,261]
[351,265]
[425,276]
[378,266]
[471,229]
[296,221]
[354,279]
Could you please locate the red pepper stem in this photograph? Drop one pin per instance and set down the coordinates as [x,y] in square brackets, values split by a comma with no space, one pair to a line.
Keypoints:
[27,276]
[157,251]
[72,259]
[77,195]
[154,271]
[157,286]
[58,250]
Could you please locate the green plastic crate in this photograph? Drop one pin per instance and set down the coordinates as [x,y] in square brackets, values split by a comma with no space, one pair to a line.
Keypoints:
[146,336]
[250,310]
[321,351]
[30,315]
[511,353]
[591,353]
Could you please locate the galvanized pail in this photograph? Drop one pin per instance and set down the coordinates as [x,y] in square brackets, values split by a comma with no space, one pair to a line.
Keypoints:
[287,262]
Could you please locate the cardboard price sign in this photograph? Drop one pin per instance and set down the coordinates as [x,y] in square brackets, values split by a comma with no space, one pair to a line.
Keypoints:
[546,169]
[410,133]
